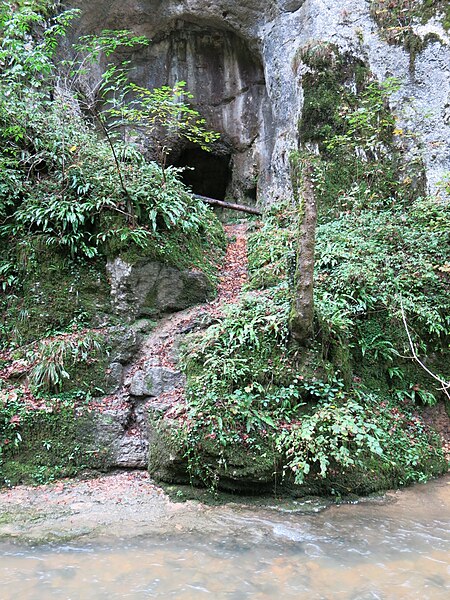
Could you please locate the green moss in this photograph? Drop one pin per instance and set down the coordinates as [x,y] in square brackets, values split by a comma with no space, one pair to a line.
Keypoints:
[54,445]
[346,115]
[396,20]
[374,476]
[256,468]
[233,468]
[327,89]
[56,293]
[427,9]
[202,249]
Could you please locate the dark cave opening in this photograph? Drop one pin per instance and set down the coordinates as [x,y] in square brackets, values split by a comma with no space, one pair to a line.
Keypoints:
[207,174]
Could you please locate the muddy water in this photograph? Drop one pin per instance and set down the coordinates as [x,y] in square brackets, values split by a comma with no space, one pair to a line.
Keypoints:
[391,548]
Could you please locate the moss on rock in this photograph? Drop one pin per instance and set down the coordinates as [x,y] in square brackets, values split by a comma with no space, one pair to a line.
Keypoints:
[56,293]
[53,444]
[397,20]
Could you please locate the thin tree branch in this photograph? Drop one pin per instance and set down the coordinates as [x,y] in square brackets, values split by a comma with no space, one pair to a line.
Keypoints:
[445,385]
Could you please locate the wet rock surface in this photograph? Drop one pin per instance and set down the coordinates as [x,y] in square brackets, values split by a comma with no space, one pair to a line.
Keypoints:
[153,380]
[145,378]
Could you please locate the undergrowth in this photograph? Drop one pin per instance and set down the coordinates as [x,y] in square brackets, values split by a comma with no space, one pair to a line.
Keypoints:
[350,400]
[78,187]
[342,415]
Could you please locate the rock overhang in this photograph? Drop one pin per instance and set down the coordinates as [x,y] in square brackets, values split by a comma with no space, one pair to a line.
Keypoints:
[272,33]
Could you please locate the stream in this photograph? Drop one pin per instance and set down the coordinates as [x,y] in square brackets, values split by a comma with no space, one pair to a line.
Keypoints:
[393,547]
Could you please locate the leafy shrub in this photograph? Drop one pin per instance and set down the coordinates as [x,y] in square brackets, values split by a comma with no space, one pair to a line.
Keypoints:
[352,433]
[339,436]
[61,178]
[249,388]
[372,259]
[73,192]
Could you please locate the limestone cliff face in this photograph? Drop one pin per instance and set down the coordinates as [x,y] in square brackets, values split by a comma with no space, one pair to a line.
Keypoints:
[238,58]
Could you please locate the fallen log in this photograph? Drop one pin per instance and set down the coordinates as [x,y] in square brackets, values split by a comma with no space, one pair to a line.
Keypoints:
[251,210]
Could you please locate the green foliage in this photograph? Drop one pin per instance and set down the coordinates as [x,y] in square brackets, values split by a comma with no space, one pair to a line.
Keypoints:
[272,250]
[61,179]
[72,190]
[239,382]
[370,126]
[349,434]
[161,114]
[360,161]
[331,84]
[76,188]
[250,393]
[372,259]
[255,328]
[53,359]
[367,262]
[332,436]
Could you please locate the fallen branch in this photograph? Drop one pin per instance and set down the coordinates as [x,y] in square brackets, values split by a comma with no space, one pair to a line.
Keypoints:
[240,207]
[445,385]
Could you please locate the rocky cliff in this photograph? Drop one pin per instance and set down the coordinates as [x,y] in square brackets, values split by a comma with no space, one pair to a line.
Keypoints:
[240,60]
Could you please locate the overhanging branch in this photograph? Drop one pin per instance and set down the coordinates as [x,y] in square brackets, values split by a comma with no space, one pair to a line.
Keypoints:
[230,205]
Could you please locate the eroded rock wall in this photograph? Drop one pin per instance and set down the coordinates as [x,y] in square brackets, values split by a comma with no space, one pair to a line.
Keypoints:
[240,60]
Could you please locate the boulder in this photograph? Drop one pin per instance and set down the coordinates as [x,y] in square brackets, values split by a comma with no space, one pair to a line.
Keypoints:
[154,380]
[149,288]
[236,468]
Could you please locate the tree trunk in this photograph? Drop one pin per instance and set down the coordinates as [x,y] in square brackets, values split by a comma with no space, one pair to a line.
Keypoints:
[251,210]
[302,311]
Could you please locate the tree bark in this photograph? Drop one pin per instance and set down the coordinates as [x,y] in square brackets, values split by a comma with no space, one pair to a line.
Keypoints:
[240,207]
[302,310]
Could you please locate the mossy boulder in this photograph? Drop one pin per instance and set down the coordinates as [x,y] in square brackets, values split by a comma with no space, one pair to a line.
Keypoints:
[148,288]
[55,294]
[234,469]
[248,471]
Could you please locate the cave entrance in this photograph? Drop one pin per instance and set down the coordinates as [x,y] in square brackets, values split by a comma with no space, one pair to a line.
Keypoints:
[207,174]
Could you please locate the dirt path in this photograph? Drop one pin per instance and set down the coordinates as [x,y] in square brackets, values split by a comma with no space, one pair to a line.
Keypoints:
[235,265]
[158,358]
[160,349]
[233,275]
